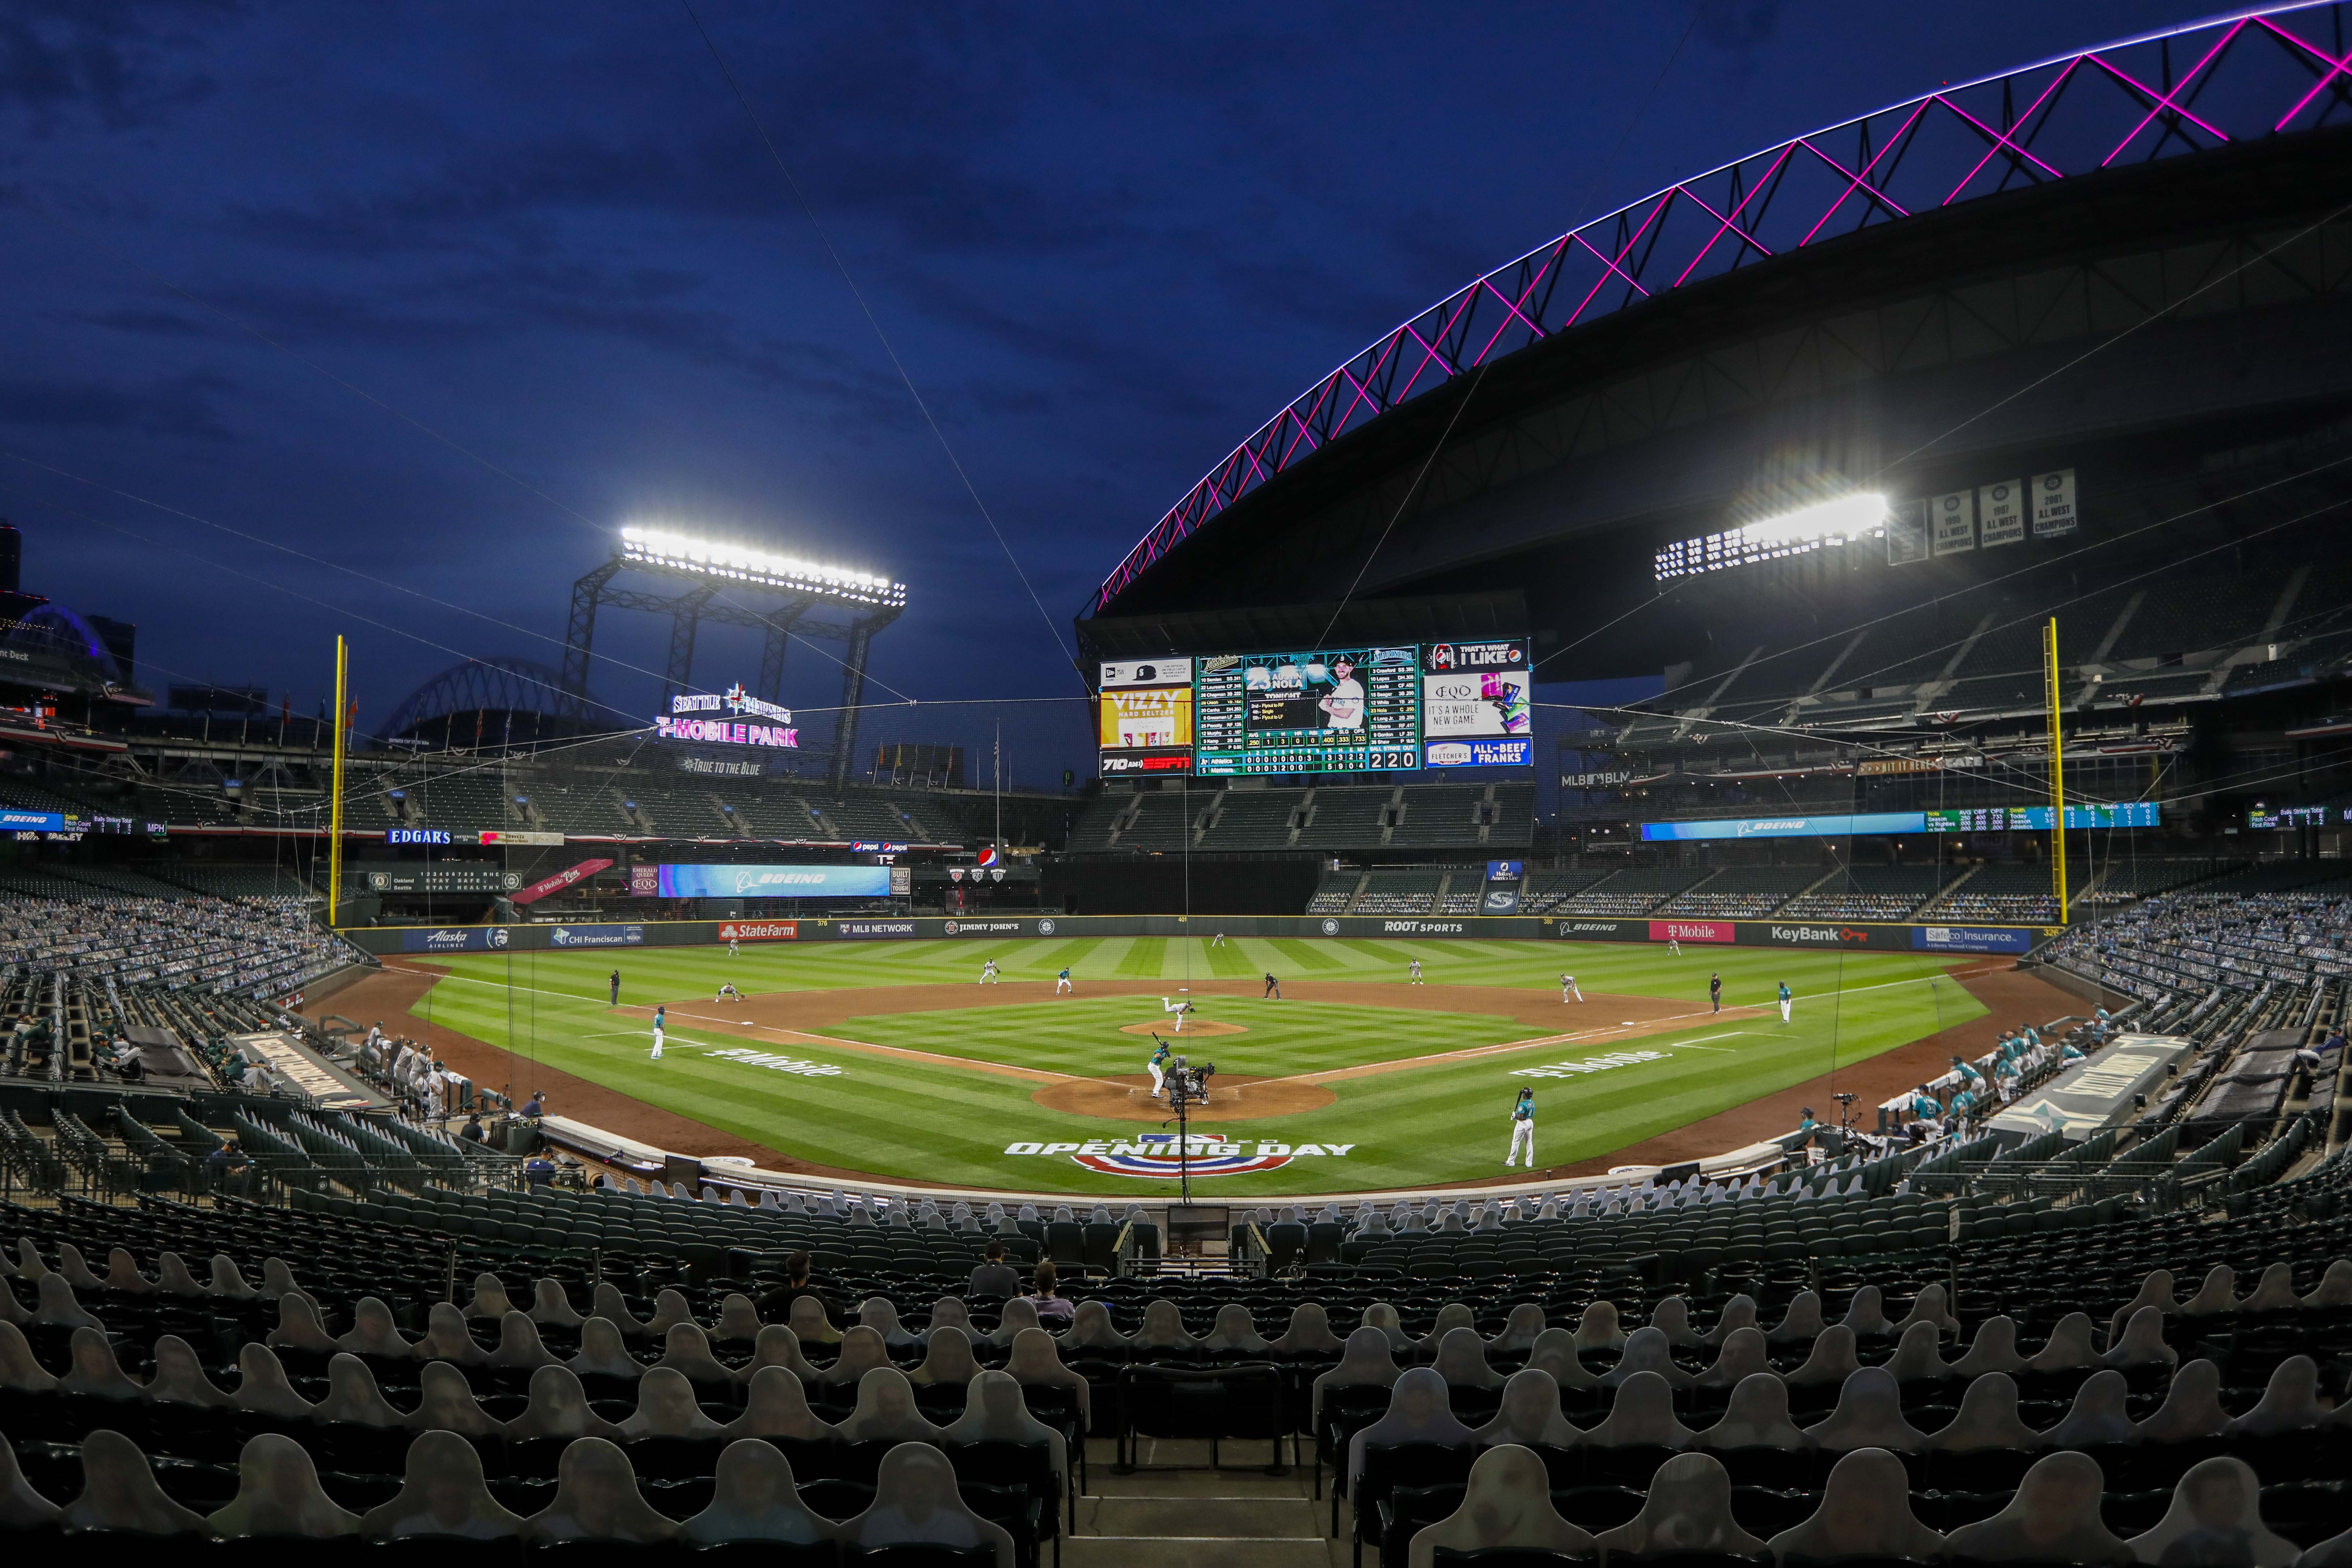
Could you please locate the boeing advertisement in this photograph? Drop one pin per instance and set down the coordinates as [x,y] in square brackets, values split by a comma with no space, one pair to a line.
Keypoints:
[1788,827]
[774,881]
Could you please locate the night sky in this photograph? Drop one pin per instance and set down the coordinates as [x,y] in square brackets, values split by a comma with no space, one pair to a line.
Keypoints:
[436,297]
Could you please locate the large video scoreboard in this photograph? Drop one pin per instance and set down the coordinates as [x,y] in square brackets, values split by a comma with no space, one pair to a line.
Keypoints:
[1365,709]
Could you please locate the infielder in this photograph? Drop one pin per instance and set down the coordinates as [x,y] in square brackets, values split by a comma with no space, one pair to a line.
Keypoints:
[1158,1068]
[1179,1008]
[1414,969]
[1788,1000]
[988,975]
[727,991]
[1062,983]
[661,1019]
[1567,988]
[1523,1129]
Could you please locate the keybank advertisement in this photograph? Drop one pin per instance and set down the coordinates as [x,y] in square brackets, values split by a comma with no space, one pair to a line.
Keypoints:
[1970,939]
[775,882]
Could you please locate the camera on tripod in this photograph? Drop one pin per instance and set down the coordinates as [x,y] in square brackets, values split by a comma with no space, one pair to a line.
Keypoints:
[1187,1084]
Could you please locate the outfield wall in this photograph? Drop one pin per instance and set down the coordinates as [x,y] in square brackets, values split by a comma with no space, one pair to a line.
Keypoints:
[1818,935]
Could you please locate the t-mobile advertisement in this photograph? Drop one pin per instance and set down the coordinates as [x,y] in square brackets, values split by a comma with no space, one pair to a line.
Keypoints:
[1477,704]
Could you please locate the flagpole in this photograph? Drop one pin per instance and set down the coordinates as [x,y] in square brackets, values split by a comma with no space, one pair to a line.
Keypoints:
[335,808]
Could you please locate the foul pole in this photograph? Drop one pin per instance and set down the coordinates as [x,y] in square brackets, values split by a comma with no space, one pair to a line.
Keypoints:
[335,807]
[2057,770]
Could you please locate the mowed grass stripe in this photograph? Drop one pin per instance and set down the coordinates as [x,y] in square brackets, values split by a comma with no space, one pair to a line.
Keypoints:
[1144,955]
[1228,962]
[1304,954]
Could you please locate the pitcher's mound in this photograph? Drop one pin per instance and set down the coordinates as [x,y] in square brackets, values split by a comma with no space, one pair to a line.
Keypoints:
[1199,1027]
[1233,1097]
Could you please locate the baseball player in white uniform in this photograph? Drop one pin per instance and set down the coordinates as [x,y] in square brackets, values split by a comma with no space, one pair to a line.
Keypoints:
[1567,988]
[1414,968]
[988,975]
[1523,1129]
[1178,1007]
[1158,1067]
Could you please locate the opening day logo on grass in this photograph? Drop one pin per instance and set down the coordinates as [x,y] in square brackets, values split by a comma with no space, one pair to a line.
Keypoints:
[1155,1155]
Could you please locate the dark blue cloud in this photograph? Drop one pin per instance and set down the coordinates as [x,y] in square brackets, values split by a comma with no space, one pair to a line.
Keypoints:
[572,288]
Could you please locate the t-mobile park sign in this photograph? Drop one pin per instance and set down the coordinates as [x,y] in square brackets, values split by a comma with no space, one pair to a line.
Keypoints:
[768,724]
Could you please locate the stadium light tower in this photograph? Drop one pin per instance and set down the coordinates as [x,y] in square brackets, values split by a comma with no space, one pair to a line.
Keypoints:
[803,597]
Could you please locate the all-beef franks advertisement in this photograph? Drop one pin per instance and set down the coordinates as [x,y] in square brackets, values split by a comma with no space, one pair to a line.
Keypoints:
[1477,704]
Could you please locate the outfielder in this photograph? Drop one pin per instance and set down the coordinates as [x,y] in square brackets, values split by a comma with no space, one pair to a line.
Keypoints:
[1158,1067]
[988,975]
[1675,946]
[1567,989]
[661,1020]
[1179,1008]
[1061,985]
[1523,1129]
[733,949]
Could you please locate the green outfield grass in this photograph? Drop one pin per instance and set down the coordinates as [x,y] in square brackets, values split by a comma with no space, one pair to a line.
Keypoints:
[944,1122]
[1080,1035]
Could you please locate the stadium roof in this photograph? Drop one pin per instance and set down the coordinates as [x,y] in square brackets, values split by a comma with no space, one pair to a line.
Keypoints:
[2241,77]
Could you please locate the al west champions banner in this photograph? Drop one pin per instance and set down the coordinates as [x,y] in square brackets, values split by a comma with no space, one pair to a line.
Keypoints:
[773,882]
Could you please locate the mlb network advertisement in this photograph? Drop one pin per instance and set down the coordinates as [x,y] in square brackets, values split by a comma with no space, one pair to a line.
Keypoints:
[773,882]
[1346,709]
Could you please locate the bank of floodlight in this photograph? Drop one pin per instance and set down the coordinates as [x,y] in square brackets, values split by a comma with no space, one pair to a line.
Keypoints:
[670,552]
[1839,521]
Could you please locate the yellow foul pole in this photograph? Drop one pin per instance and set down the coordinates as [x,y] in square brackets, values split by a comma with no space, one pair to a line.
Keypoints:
[2057,774]
[335,810]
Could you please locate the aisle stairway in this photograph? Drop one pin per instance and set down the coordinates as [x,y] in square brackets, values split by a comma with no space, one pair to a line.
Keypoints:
[1237,1517]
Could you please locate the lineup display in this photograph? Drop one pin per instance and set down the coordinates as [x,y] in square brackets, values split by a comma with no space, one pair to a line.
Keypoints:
[2040,818]
[1363,709]
[1340,711]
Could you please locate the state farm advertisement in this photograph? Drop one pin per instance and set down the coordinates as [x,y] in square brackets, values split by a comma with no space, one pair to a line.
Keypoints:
[1693,931]
[759,931]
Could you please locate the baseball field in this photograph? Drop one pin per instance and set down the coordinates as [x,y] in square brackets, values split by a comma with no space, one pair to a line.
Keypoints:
[892,1060]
